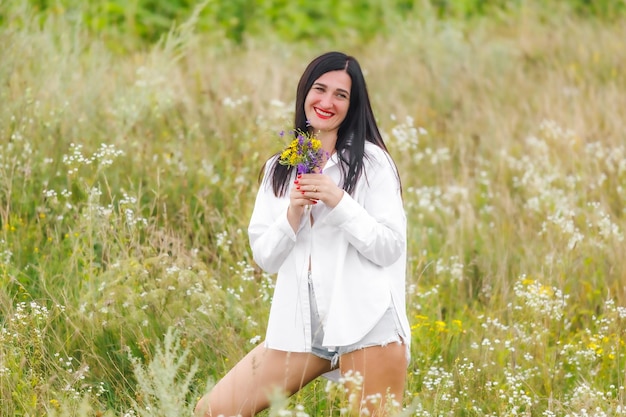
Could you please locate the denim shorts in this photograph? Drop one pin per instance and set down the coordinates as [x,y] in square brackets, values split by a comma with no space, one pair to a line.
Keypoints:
[386,331]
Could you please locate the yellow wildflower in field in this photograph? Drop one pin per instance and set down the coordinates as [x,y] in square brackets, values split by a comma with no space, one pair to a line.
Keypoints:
[441,326]
[421,321]
[458,324]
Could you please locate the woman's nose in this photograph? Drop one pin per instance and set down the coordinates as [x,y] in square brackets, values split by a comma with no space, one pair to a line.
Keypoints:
[326,100]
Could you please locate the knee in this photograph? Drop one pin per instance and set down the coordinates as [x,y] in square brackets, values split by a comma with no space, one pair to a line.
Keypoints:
[203,407]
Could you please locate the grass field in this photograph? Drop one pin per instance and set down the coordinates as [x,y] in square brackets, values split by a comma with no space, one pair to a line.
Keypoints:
[127,178]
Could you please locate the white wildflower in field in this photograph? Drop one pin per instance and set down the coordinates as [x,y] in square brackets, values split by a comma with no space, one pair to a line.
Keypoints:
[5,253]
[449,200]
[209,171]
[552,131]
[537,145]
[234,292]
[244,270]
[300,411]
[50,194]
[406,135]
[589,401]
[281,110]
[563,222]
[601,221]
[75,159]
[427,198]
[453,267]
[196,288]
[222,240]
[233,103]
[132,219]
[267,286]
[435,156]
[544,300]
[516,389]
[106,154]
[493,323]
[437,379]
[172,269]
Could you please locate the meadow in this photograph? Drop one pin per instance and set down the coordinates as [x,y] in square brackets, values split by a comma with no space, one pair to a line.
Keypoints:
[128,170]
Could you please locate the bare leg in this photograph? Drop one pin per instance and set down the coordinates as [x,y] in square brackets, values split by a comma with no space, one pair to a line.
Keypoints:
[245,388]
[383,369]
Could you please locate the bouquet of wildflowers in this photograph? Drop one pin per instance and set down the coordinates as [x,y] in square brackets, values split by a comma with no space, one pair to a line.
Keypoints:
[304,152]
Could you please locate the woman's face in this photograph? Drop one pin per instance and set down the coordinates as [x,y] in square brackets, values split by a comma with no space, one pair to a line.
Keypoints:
[327,102]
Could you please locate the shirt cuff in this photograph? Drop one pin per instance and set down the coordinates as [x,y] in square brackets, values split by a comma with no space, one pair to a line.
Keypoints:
[344,211]
[283,225]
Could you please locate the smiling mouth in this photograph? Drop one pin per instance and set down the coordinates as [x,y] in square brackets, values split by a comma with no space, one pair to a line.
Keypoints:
[323,114]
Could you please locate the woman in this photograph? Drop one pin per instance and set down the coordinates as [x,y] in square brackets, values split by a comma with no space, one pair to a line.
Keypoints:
[337,239]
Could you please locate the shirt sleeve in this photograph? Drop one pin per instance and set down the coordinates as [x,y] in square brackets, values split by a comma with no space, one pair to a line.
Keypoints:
[270,234]
[377,227]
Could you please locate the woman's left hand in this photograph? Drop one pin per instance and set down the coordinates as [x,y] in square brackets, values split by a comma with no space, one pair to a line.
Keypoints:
[320,187]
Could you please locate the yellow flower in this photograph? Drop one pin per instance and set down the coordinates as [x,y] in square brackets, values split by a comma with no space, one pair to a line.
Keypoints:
[546,290]
[304,152]
[441,326]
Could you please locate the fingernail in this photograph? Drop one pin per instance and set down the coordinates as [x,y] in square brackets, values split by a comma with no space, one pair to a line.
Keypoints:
[299,176]
[314,201]
[297,187]
[295,182]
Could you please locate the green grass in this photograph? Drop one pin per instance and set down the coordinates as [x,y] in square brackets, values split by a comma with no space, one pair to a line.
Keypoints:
[127,178]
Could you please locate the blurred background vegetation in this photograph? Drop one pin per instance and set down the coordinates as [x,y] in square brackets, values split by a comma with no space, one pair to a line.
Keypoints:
[125,22]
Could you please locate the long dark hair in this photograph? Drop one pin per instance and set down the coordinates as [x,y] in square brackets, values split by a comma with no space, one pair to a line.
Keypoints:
[358,126]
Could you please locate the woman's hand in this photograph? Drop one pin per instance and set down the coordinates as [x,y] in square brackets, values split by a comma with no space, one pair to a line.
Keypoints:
[307,190]
[297,203]
[320,187]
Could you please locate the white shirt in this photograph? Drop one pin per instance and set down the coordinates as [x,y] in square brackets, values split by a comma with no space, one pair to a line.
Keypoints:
[357,252]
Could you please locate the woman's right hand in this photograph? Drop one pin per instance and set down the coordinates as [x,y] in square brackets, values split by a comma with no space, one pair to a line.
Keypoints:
[297,204]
